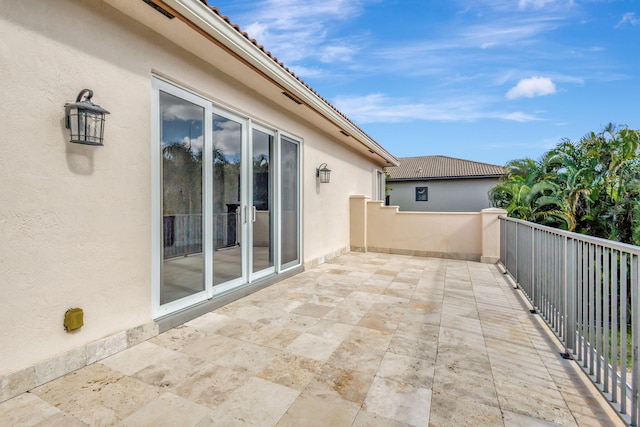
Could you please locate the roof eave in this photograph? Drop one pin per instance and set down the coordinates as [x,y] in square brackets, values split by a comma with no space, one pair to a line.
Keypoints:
[215,26]
[439,178]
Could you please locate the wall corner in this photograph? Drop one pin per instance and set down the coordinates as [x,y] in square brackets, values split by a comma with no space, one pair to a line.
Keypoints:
[358,222]
[491,234]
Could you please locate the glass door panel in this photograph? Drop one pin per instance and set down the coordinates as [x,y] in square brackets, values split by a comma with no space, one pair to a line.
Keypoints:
[227,200]
[262,206]
[289,203]
[181,137]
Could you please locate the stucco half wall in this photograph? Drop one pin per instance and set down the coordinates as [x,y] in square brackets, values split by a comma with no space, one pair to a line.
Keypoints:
[75,220]
[471,236]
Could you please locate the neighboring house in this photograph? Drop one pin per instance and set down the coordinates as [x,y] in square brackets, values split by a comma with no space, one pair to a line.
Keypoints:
[441,184]
[205,190]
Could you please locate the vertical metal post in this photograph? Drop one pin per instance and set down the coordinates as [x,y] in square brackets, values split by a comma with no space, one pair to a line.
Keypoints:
[566,304]
[623,333]
[591,308]
[614,326]
[534,268]
[579,300]
[634,333]
[516,255]
[607,319]
[598,309]
[585,304]
[559,282]
[549,273]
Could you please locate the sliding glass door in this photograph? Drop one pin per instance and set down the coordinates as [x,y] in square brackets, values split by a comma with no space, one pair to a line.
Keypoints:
[261,221]
[289,202]
[228,139]
[181,135]
[226,203]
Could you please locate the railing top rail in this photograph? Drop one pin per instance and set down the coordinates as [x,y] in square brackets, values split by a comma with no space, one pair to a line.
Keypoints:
[623,247]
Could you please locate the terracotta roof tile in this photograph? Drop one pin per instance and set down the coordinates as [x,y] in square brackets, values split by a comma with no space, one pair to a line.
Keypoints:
[440,167]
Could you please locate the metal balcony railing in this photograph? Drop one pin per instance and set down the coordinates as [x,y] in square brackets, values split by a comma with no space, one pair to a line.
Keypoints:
[586,290]
[182,233]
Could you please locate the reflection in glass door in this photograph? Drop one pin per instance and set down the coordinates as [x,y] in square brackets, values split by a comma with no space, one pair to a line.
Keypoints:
[181,136]
[227,200]
[289,203]
[262,206]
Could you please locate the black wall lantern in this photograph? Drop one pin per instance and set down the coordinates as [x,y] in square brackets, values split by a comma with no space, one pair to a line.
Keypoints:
[85,119]
[324,173]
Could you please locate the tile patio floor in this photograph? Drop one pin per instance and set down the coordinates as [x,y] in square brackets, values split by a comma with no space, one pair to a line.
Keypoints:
[363,340]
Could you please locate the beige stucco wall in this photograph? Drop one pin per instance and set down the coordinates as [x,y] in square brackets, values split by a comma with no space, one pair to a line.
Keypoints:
[75,220]
[462,235]
[456,234]
[461,195]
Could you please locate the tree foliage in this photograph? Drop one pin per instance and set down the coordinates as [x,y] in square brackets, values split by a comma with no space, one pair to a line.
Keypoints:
[591,186]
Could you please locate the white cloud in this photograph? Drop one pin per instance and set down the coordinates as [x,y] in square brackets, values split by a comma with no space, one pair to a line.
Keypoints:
[336,54]
[306,72]
[628,18]
[183,111]
[295,30]
[532,87]
[379,108]
[535,4]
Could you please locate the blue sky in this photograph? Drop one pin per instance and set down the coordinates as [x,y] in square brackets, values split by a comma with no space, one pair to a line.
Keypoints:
[484,80]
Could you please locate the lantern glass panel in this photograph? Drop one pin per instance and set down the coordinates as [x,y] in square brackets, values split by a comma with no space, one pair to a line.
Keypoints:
[325,175]
[93,127]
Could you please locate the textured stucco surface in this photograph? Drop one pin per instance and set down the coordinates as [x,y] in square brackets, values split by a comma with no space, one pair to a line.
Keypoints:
[75,221]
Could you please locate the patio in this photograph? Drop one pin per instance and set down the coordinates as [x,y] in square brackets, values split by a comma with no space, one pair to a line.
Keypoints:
[363,340]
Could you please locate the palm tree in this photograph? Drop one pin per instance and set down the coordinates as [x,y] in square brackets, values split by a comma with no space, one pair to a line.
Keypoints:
[591,186]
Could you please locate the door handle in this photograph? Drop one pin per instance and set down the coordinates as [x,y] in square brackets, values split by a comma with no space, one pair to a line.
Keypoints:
[253,208]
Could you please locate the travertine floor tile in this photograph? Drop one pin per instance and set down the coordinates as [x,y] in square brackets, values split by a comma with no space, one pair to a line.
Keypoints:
[319,411]
[176,338]
[339,383]
[81,394]
[356,357]
[136,358]
[61,419]
[421,348]
[291,370]
[26,409]
[512,419]
[398,401]
[449,410]
[329,329]
[257,403]
[406,369]
[247,357]
[170,371]
[313,346]
[465,384]
[211,347]
[211,386]
[372,339]
[167,410]
[367,419]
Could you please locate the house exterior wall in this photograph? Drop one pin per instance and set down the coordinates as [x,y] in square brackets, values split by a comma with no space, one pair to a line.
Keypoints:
[75,221]
[445,195]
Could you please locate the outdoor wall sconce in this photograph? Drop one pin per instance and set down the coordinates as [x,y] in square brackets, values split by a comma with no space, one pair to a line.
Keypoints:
[324,173]
[85,119]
